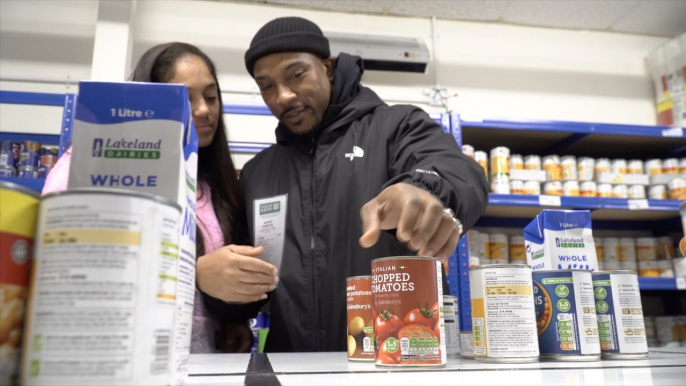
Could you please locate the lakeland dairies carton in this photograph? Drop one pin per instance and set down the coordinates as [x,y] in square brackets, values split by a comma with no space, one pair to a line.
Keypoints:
[560,239]
[141,137]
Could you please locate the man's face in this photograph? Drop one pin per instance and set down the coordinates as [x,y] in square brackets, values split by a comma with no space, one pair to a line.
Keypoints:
[296,86]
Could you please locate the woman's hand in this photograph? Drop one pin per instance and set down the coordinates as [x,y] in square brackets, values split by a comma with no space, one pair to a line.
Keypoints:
[233,274]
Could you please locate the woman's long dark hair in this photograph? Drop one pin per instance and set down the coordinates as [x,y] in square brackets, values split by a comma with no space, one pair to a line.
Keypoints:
[215,167]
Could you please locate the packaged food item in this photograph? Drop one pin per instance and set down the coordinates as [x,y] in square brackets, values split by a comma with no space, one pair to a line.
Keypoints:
[677,189]
[602,165]
[648,268]
[682,166]
[611,249]
[9,154]
[588,189]
[468,150]
[619,166]
[627,249]
[605,190]
[408,297]
[560,239]
[517,251]
[635,166]
[360,339]
[451,321]
[516,162]
[586,168]
[500,162]
[667,330]
[6,171]
[670,166]
[482,159]
[571,188]
[28,172]
[503,314]
[532,188]
[29,154]
[653,167]
[500,184]
[647,248]
[620,191]
[498,245]
[599,249]
[516,187]
[637,192]
[551,164]
[667,250]
[532,162]
[553,188]
[569,169]
[657,192]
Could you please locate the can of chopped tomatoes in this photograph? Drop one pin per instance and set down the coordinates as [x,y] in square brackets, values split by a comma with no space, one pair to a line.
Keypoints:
[358,293]
[408,312]
[503,314]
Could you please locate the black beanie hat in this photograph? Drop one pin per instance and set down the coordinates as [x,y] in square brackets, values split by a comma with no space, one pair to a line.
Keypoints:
[286,34]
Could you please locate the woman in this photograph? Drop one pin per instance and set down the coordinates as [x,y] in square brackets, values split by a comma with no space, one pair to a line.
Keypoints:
[231,278]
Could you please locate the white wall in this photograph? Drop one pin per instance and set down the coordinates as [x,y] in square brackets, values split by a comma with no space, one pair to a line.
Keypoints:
[496,70]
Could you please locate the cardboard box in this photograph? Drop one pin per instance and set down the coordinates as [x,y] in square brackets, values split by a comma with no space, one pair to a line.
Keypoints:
[141,137]
[560,239]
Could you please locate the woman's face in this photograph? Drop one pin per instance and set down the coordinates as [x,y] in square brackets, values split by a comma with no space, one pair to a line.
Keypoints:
[202,92]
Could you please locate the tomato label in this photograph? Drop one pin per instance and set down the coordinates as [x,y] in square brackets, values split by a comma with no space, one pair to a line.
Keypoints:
[360,319]
[408,304]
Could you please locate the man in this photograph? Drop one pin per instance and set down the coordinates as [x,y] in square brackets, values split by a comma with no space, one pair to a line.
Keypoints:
[351,166]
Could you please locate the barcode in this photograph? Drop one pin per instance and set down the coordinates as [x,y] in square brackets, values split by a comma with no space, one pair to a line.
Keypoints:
[160,360]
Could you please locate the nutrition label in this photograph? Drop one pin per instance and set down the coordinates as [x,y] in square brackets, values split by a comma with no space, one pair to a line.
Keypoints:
[104,290]
[504,322]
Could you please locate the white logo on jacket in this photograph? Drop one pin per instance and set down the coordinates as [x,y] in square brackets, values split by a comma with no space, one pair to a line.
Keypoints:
[357,152]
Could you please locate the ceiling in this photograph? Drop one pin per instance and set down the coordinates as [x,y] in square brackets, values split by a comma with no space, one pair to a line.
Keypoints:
[644,17]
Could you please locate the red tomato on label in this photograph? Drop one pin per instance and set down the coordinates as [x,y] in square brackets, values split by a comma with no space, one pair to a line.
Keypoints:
[415,331]
[385,360]
[437,330]
[423,316]
[387,325]
[383,351]
[437,314]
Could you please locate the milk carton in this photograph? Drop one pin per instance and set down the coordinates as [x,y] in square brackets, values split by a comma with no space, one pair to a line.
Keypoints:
[560,239]
[141,137]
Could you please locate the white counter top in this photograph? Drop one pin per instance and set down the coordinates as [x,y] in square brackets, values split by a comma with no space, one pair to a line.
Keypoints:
[664,366]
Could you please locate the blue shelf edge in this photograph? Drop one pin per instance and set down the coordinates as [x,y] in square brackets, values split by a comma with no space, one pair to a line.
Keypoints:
[35,184]
[656,283]
[31,98]
[591,203]
[572,127]
[48,139]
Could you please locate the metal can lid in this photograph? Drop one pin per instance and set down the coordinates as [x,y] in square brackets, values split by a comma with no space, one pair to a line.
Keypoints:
[405,258]
[116,192]
[500,266]
[358,277]
[616,271]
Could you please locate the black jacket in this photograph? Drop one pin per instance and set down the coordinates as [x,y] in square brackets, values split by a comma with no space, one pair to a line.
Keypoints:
[328,183]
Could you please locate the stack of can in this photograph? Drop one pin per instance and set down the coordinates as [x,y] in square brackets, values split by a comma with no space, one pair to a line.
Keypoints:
[495,248]
[649,256]
[571,176]
[28,159]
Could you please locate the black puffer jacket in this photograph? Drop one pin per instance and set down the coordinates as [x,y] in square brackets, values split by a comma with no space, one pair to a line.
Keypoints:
[328,182]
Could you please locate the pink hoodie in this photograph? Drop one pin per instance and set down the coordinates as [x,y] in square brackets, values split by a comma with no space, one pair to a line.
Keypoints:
[205,324]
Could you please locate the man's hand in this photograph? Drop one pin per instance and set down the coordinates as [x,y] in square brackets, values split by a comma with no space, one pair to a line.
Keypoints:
[233,274]
[418,217]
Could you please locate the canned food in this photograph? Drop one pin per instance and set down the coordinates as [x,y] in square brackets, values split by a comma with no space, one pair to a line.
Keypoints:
[682,166]
[474,261]
[629,266]
[468,150]
[482,159]
[466,344]
[500,184]
[619,166]
[586,168]
[532,188]
[28,172]
[677,189]
[667,250]
[516,187]
[653,167]
[647,248]
[620,315]
[532,162]
[19,207]
[648,268]
[635,166]
[620,191]
[9,154]
[599,249]
[571,188]
[627,249]
[681,321]
[28,154]
[7,172]
[637,192]
[657,192]
[475,245]
[569,171]
[605,190]
[612,265]
[602,165]
[611,249]
[565,315]
[500,162]
[551,164]
[588,189]
[43,171]
[486,245]
[410,288]
[679,264]
[48,156]
[553,188]
[667,329]
[649,323]
[499,249]
[503,307]
[359,300]
[670,166]
[517,251]
[118,288]
[451,321]
[666,269]
[516,162]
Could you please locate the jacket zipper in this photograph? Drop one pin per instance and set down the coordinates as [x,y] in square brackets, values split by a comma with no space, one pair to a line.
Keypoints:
[313,277]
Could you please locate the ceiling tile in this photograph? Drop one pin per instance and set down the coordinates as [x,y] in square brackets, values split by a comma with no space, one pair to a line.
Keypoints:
[598,15]
[355,6]
[488,10]
[665,18]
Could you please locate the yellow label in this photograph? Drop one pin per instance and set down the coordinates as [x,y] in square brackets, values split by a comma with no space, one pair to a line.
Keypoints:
[646,252]
[497,250]
[92,236]
[517,253]
[18,213]
[505,290]
[479,332]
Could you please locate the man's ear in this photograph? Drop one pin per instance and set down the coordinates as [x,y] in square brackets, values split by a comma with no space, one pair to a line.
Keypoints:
[329,64]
